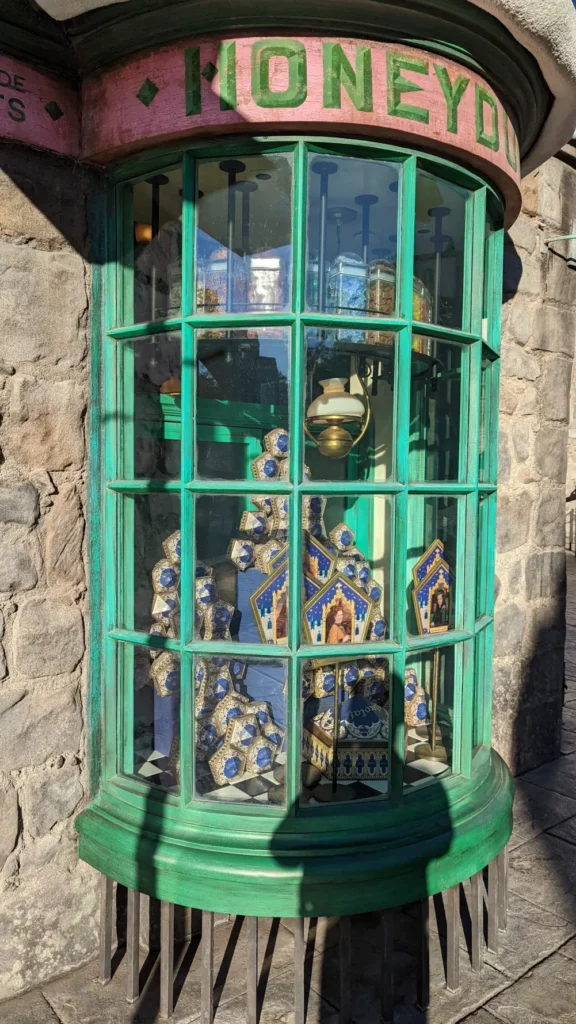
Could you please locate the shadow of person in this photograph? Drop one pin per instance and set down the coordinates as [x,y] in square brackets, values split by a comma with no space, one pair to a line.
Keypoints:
[360,872]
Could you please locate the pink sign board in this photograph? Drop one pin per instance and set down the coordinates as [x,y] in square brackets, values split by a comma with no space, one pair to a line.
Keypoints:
[38,109]
[350,86]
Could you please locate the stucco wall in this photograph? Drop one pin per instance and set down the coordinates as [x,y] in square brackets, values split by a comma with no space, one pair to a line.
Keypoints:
[539,321]
[47,899]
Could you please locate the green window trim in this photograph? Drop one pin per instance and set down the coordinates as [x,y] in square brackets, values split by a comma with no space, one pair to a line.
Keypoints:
[118,417]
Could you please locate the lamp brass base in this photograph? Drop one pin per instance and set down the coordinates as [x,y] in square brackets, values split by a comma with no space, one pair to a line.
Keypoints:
[424,750]
[328,795]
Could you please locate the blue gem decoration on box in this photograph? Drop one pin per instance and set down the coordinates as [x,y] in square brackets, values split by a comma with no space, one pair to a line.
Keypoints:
[172,547]
[342,537]
[361,720]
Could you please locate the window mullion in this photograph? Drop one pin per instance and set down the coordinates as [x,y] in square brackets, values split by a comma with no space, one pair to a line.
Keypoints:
[297,370]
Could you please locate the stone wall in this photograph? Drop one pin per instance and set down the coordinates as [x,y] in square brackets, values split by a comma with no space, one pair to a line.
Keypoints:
[48,899]
[539,322]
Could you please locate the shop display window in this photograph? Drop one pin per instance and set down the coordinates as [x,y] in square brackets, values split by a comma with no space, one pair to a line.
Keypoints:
[300,385]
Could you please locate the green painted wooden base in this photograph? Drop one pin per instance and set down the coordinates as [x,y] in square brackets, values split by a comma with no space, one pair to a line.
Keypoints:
[305,867]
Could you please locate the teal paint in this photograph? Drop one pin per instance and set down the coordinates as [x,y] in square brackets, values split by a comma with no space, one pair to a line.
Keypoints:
[339,74]
[297,89]
[398,85]
[453,93]
[489,138]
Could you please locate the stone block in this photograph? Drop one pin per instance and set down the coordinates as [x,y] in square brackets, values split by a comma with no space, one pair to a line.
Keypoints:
[553,329]
[513,520]
[47,327]
[519,324]
[58,852]
[49,797]
[509,624]
[517,362]
[550,453]
[48,638]
[530,190]
[550,518]
[64,535]
[524,234]
[525,733]
[17,570]
[504,459]
[545,574]
[47,929]
[3,663]
[43,197]
[46,424]
[35,727]
[527,401]
[522,440]
[509,395]
[554,388]
[9,819]
[19,503]
[560,281]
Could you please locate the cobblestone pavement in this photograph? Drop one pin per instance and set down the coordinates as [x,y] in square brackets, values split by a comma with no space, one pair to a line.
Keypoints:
[531,980]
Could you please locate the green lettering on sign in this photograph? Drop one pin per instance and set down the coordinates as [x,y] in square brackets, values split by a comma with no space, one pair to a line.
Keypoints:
[398,84]
[453,93]
[227,62]
[339,72]
[509,143]
[192,91]
[297,89]
[489,139]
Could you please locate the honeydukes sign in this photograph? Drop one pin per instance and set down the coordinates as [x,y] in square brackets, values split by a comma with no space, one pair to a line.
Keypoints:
[348,86]
[214,85]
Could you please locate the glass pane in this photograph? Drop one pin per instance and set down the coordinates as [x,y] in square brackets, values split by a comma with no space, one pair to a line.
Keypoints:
[242,568]
[486,508]
[428,714]
[351,243]
[240,730]
[157,212]
[152,366]
[431,565]
[349,404]
[244,234]
[346,546]
[152,578]
[436,410]
[155,679]
[354,766]
[439,247]
[486,387]
[242,388]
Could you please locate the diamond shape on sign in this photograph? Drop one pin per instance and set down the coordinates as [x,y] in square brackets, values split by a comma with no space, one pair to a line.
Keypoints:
[147,92]
[53,110]
[209,71]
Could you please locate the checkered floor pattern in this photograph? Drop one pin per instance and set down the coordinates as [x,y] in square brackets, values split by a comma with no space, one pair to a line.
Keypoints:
[260,788]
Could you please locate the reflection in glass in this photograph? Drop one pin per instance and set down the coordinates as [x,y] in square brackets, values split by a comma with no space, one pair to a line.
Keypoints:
[242,568]
[351,243]
[240,730]
[486,508]
[242,389]
[351,761]
[153,604]
[347,546]
[436,411]
[486,387]
[349,404]
[243,240]
[157,212]
[439,246]
[431,565]
[156,698]
[154,364]
[428,714]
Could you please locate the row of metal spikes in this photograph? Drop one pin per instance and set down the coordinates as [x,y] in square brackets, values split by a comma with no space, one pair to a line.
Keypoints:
[497,921]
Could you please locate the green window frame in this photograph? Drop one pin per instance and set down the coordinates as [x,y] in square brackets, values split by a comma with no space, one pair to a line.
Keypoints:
[112,434]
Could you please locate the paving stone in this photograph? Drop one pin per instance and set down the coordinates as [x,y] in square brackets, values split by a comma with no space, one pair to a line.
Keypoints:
[565,830]
[482,1017]
[31,1008]
[78,998]
[544,996]
[569,949]
[543,871]
[537,809]
[558,776]
[532,935]
[278,1005]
